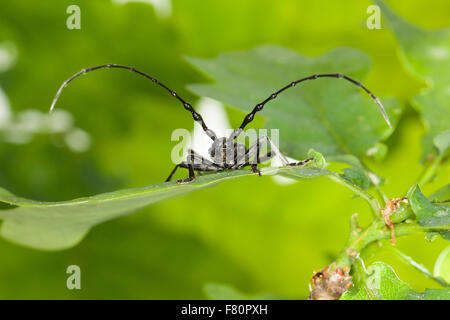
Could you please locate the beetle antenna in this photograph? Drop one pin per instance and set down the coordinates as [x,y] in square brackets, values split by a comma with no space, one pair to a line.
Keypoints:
[249,117]
[197,117]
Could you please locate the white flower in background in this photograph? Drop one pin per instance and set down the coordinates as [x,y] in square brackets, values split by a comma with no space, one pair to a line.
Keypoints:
[8,55]
[20,127]
[5,110]
[78,140]
[163,8]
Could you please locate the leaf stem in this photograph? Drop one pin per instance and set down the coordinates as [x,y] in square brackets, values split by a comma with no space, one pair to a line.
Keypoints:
[359,240]
[430,171]
[373,202]
[421,268]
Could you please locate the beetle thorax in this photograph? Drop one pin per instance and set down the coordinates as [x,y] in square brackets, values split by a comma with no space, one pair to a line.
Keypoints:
[226,152]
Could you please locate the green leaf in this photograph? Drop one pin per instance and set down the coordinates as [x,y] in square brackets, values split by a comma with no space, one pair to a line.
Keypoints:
[442,142]
[319,161]
[428,214]
[434,106]
[347,158]
[445,235]
[224,292]
[430,294]
[431,236]
[357,177]
[333,117]
[378,152]
[60,225]
[419,267]
[442,265]
[442,194]
[426,53]
[382,283]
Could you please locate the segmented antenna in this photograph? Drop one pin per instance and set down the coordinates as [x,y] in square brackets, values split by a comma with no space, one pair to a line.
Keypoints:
[197,117]
[249,117]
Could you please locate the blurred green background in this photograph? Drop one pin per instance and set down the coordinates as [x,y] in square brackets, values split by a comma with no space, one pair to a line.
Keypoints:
[255,235]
